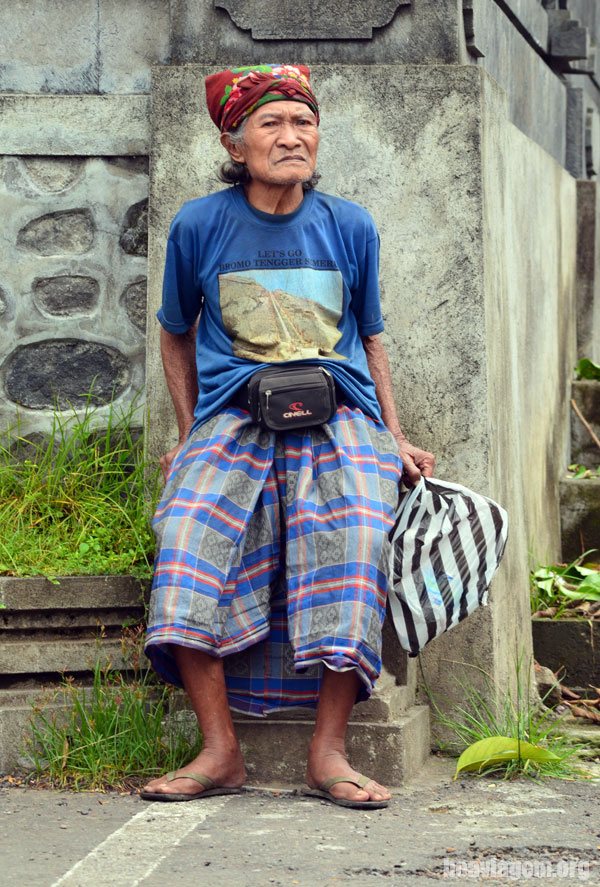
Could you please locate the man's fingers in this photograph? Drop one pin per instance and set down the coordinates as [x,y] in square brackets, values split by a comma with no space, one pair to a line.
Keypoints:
[409,469]
[427,465]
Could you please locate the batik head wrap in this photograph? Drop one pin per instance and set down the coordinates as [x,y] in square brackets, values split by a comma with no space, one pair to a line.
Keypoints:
[233,95]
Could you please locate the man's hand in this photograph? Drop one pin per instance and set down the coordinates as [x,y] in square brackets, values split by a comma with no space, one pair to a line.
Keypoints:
[415,462]
[167,460]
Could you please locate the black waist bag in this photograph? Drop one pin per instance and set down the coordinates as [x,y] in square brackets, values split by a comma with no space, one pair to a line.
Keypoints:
[291,397]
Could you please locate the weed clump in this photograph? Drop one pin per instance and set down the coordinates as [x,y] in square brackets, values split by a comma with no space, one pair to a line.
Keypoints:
[116,734]
[77,501]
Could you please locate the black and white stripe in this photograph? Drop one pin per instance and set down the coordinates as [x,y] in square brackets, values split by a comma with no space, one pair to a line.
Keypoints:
[447,544]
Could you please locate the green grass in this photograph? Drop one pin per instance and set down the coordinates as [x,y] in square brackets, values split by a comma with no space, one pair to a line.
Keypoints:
[476,718]
[111,736]
[77,501]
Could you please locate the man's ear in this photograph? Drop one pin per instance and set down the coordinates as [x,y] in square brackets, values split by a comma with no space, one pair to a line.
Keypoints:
[234,149]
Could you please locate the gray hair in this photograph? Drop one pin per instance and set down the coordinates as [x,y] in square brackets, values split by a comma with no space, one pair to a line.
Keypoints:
[233,173]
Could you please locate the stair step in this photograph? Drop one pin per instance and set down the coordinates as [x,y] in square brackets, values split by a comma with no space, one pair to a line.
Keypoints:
[584,451]
[275,751]
[580,516]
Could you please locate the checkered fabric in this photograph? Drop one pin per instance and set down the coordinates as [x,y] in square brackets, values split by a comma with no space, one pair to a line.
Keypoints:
[273,553]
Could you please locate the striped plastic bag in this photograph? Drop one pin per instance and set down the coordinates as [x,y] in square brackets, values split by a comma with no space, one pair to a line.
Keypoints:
[447,544]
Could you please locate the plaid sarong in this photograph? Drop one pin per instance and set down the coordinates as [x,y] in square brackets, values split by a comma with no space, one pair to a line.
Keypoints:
[272,551]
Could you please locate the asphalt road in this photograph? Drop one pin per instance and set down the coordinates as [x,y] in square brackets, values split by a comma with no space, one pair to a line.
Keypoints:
[472,830]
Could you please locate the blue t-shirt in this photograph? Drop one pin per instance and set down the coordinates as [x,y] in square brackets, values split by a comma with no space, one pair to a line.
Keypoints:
[269,289]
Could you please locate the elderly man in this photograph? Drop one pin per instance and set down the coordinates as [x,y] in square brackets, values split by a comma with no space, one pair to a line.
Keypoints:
[271,570]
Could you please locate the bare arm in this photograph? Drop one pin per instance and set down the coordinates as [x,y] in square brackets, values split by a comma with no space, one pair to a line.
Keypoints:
[416,461]
[178,352]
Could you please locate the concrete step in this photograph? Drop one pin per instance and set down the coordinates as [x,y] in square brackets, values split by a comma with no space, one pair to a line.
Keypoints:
[49,628]
[584,451]
[390,752]
[580,516]
[274,749]
[26,658]
[35,593]
[16,709]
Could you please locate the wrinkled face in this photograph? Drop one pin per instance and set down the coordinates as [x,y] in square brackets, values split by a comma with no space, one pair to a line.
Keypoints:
[280,143]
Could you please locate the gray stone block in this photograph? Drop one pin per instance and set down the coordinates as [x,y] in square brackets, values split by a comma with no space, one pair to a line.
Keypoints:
[4,303]
[532,16]
[63,372]
[134,299]
[133,35]
[70,593]
[523,75]
[588,271]
[66,295]
[580,516]
[49,46]
[421,33]
[58,233]
[326,20]
[567,40]
[41,657]
[584,450]
[53,173]
[85,125]
[82,46]
[16,710]
[275,751]
[134,238]
[575,147]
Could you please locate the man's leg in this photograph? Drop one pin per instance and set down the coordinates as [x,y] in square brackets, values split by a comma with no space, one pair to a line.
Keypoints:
[327,751]
[220,759]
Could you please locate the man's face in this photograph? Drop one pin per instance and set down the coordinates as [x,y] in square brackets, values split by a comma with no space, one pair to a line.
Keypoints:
[280,143]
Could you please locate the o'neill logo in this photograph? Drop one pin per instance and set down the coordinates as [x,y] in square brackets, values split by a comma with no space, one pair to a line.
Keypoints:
[296,410]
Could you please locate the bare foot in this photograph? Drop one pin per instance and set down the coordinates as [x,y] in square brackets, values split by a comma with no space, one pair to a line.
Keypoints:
[326,762]
[225,766]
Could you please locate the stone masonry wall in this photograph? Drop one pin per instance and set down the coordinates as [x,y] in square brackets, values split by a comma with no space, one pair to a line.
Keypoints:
[72,284]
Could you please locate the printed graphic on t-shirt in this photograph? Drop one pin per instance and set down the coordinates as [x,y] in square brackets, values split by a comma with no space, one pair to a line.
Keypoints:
[284,314]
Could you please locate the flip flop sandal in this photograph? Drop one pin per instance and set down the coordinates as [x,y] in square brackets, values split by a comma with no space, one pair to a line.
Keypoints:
[361,781]
[210,789]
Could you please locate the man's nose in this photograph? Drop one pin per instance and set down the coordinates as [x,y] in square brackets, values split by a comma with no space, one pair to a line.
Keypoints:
[288,134]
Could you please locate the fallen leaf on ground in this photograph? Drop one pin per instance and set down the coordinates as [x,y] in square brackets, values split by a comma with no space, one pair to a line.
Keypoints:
[580,712]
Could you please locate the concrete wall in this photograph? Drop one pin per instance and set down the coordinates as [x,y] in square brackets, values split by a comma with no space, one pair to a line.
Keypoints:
[528,301]
[82,46]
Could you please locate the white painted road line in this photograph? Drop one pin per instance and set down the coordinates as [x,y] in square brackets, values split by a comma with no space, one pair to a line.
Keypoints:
[128,856]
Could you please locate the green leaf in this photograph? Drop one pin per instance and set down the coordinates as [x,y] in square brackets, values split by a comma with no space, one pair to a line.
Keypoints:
[500,749]
[590,587]
[543,573]
[587,369]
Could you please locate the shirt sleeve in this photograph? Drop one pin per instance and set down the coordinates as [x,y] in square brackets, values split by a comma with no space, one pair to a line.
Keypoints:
[366,302]
[181,296]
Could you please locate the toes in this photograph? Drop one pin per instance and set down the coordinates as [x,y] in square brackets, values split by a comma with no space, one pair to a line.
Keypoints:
[348,792]
[377,792]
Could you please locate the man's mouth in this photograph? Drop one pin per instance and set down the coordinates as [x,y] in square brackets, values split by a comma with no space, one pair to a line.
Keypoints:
[292,157]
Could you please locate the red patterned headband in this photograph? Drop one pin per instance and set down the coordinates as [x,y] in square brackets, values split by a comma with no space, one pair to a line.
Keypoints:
[233,95]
